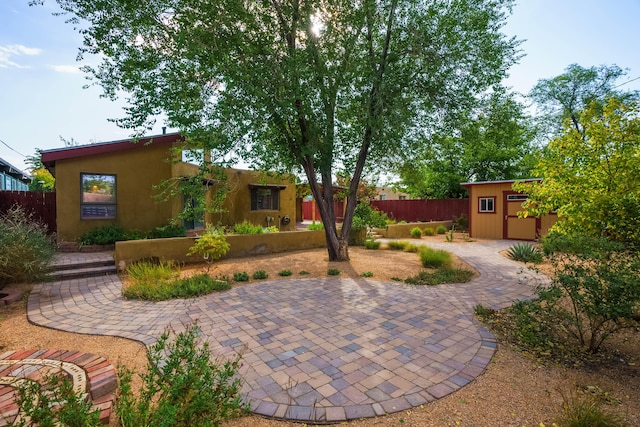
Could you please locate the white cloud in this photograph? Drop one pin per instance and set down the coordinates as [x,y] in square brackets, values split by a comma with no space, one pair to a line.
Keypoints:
[8,52]
[68,69]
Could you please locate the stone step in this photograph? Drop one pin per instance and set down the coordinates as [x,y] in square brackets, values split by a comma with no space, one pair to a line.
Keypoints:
[82,272]
[81,264]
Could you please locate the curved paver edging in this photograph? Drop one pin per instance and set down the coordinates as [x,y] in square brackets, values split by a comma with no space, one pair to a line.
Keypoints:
[322,350]
[89,373]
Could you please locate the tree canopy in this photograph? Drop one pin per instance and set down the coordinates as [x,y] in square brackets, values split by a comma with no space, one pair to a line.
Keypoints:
[566,96]
[319,86]
[591,177]
[491,141]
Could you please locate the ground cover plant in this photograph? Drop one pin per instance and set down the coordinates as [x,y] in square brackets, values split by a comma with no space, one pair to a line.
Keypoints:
[260,275]
[109,234]
[25,248]
[188,287]
[371,244]
[182,386]
[241,277]
[525,252]
[434,258]
[440,276]
[315,226]
[246,227]
[397,245]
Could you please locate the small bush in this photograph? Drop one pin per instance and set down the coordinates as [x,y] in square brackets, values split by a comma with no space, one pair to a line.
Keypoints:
[260,275]
[371,244]
[578,244]
[461,222]
[105,235]
[441,275]
[428,231]
[411,248]
[149,271]
[397,279]
[333,272]
[284,273]
[271,229]
[52,403]
[525,252]
[247,228]
[367,274]
[441,229]
[182,386]
[483,312]
[416,233]
[402,222]
[241,277]
[315,226]
[194,286]
[303,273]
[172,229]
[434,258]
[397,245]
[212,245]
[25,248]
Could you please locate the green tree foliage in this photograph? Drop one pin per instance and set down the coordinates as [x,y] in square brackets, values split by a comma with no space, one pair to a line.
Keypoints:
[566,96]
[492,141]
[319,86]
[592,178]
[41,178]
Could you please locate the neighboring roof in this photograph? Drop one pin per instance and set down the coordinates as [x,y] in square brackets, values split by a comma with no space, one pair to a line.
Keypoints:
[49,157]
[506,181]
[8,169]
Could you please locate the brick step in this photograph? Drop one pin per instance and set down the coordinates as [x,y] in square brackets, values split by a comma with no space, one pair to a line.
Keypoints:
[78,273]
[81,265]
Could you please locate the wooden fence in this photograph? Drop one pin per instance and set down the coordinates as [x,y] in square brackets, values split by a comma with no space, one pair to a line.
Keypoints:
[309,206]
[42,205]
[423,209]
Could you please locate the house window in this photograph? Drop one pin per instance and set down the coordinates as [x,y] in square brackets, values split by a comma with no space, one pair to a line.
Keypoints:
[486,204]
[191,207]
[383,196]
[402,197]
[98,196]
[517,197]
[265,197]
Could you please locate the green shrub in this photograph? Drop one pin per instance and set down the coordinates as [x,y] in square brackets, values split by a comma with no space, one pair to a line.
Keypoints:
[211,245]
[53,402]
[461,222]
[555,242]
[247,228]
[371,244]
[303,273]
[441,229]
[428,231]
[105,235]
[149,271]
[333,272]
[284,273]
[441,275]
[241,277]
[525,252]
[25,248]
[260,275]
[182,386]
[483,312]
[315,226]
[397,245]
[402,222]
[587,411]
[194,286]
[271,229]
[367,274]
[434,258]
[365,216]
[411,248]
[172,229]
[416,233]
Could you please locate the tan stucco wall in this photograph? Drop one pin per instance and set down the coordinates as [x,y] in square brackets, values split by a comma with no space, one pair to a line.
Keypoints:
[137,171]
[141,168]
[176,249]
[402,231]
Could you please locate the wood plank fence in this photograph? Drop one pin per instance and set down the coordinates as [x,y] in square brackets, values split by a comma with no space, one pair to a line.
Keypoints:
[423,209]
[40,204]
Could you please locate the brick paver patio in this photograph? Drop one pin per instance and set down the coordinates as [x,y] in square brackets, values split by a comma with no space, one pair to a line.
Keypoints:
[321,350]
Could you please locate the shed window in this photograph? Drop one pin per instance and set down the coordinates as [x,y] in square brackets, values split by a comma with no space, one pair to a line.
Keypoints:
[487,204]
[98,196]
[517,197]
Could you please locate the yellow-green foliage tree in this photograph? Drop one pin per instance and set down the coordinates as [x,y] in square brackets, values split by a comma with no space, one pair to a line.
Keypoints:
[592,178]
[212,245]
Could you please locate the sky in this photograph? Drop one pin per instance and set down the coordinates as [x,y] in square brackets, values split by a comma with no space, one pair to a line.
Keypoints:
[41,87]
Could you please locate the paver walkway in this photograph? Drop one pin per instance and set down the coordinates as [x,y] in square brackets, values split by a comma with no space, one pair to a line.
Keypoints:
[319,349]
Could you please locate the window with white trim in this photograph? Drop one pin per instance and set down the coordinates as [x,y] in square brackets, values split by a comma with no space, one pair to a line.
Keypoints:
[486,204]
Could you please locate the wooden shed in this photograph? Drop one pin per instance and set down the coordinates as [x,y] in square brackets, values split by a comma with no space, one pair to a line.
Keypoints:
[493,212]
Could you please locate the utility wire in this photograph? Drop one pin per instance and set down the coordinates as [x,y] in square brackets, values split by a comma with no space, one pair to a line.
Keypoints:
[7,145]
[628,81]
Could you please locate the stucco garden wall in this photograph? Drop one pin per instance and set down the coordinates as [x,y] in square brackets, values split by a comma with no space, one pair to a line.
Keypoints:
[402,231]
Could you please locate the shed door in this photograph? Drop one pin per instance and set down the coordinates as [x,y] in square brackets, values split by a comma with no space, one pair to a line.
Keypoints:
[514,227]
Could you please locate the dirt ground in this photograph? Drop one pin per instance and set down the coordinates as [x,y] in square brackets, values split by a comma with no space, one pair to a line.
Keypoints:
[515,390]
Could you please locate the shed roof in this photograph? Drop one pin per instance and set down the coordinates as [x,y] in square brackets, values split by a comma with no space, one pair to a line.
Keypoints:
[506,181]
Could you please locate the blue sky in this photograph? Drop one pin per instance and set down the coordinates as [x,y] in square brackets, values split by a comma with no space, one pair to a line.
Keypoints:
[41,94]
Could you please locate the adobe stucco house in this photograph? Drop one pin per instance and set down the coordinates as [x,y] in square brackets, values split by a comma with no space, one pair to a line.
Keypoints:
[115,183]
[493,212]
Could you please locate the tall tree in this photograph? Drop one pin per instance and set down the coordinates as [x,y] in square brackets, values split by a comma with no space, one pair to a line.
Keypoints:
[319,85]
[41,178]
[592,177]
[566,96]
[494,140]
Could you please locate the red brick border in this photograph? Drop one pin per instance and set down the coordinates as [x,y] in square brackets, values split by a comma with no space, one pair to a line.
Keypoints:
[101,378]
